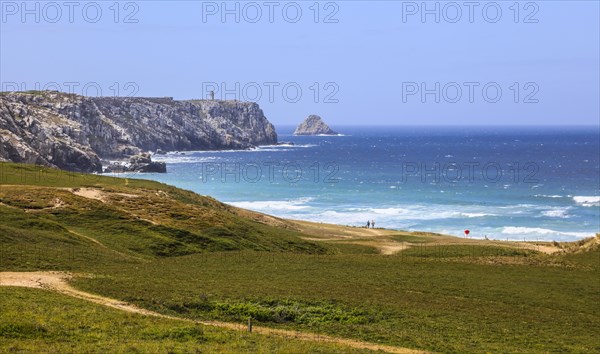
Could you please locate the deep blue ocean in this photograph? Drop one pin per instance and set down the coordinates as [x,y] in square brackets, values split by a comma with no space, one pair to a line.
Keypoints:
[503,183]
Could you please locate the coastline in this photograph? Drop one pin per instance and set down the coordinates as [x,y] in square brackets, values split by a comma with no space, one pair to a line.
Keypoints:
[384,240]
[406,179]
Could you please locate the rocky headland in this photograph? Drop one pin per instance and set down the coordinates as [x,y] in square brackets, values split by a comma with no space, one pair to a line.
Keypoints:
[74,132]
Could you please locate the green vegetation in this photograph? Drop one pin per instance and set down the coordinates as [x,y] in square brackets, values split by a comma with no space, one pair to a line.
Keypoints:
[184,255]
[135,217]
[53,323]
[419,302]
[442,251]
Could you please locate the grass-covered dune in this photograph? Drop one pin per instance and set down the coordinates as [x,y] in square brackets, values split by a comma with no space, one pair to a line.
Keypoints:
[45,212]
[183,255]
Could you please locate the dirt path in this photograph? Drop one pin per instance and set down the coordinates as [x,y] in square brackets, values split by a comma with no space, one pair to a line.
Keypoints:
[58,281]
[376,238]
[381,239]
[392,248]
[539,248]
[90,193]
[98,194]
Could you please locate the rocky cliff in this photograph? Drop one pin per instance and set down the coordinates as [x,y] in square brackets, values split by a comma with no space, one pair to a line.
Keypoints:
[74,132]
[314,125]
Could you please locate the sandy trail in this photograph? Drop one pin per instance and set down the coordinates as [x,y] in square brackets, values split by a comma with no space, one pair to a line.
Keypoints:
[58,281]
[90,193]
[392,248]
[376,238]
[98,194]
[381,240]
[539,248]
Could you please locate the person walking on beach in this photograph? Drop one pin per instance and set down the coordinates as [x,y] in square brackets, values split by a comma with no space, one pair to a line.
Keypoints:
[373,224]
[368,224]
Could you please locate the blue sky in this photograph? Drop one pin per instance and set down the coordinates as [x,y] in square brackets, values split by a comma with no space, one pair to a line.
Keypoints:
[352,62]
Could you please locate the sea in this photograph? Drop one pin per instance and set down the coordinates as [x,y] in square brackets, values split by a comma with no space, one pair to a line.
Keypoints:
[505,183]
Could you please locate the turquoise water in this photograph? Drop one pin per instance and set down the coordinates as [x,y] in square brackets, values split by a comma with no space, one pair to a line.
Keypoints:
[503,183]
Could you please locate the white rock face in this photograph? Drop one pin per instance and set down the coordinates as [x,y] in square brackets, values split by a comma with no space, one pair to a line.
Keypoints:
[73,132]
[314,125]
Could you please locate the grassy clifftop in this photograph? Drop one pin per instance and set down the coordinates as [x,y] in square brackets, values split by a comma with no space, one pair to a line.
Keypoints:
[50,210]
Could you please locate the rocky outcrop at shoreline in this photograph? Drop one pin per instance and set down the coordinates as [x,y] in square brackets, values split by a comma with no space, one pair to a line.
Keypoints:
[139,163]
[74,132]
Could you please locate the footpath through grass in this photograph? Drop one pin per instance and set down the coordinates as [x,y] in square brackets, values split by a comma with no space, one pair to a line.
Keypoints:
[456,304]
[39,321]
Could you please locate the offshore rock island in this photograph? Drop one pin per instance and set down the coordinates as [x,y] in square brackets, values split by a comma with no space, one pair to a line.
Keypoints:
[74,132]
[314,125]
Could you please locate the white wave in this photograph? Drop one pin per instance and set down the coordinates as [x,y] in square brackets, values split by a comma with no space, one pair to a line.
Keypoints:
[519,208]
[548,196]
[171,158]
[534,231]
[389,211]
[200,156]
[477,215]
[557,213]
[274,205]
[298,209]
[260,147]
[269,150]
[414,213]
[193,152]
[418,216]
[304,199]
[587,201]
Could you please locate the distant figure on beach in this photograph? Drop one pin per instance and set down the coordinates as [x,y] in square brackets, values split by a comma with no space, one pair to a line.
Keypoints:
[368,224]
[373,224]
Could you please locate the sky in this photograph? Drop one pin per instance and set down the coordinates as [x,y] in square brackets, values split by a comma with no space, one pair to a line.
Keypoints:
[351,62]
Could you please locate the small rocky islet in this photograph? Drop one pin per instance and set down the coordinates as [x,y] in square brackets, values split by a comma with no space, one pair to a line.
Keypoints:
[314,125]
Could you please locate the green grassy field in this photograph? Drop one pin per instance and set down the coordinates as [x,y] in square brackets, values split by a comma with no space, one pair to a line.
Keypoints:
[454,305]
[177,253]
[35,320]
